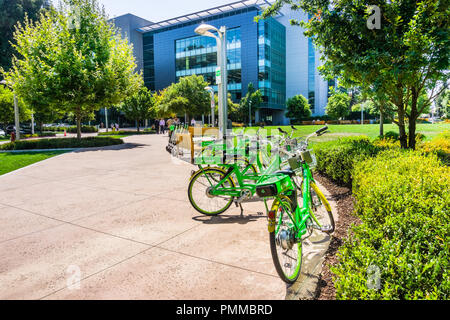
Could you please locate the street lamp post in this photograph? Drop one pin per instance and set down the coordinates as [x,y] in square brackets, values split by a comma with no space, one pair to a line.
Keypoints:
[213,106]
[221,72]
[16,113]
[250,112]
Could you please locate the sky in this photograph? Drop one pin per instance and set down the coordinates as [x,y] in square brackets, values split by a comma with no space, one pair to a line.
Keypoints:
[158,10]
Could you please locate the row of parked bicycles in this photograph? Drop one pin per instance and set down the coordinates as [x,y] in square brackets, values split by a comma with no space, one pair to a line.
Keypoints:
[276,170]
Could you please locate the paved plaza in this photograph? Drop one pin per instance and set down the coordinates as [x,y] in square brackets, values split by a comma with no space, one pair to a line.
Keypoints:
[116,223]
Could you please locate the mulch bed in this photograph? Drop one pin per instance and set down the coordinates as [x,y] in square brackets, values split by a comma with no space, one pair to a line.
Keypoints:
[345,203]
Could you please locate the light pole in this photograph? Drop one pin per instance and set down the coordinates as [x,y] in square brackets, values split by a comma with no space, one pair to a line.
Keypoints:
[16,113]
[221,71]
[106,119]
[250,112]
[213,106]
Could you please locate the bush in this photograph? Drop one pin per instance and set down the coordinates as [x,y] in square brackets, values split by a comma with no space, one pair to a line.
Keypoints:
[392,135]
[73,129]
[336,159]
[70,143]
[403,200]
[126,133]
[39,135]
[84,129]
[439,146]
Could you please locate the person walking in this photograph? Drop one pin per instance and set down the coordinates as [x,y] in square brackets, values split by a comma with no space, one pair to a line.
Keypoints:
[162,126]
[193,122]
[157,126]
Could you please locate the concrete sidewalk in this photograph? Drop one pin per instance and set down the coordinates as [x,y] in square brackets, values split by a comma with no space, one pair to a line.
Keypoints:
[115,223]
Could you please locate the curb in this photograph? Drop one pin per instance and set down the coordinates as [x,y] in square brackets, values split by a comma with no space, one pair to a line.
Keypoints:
[306,285]
[36,150]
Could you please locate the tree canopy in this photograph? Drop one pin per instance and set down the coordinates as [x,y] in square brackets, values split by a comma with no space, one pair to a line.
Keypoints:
[139,106]
[7,107]
[250,102]
[72,59]
[338,106]
[409,53]
[11,12]
[187,96]
[298,108]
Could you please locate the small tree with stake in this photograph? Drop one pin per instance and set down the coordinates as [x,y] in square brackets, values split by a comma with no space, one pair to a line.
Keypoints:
[139,106]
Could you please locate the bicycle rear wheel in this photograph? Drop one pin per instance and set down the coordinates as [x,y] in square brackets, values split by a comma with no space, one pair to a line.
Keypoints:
[199,192]
[285,249]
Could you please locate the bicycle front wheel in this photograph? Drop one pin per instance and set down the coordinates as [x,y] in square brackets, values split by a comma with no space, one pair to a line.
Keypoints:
[199,192]
[321,211]
[285,248]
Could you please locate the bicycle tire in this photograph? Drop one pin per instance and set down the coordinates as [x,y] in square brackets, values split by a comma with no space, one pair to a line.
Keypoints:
[191,186]
[289,279]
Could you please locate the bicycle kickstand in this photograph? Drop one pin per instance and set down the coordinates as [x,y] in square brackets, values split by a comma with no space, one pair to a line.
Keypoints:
[242,210]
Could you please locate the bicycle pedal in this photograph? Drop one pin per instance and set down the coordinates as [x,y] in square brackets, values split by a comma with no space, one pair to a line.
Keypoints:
[326,228]
[260,213]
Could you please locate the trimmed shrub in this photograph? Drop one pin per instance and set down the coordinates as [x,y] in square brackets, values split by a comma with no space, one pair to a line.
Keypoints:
[439,146]
[73,129]
[403,201]
[336,159]
[70,143]
[39,135]
[84,129]
[126,133]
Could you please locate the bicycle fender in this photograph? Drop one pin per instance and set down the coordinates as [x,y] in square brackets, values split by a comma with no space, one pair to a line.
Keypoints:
[321,195]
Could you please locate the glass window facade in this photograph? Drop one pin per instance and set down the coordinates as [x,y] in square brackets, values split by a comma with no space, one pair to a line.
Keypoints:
[198,55]
[149,61]
[272,65]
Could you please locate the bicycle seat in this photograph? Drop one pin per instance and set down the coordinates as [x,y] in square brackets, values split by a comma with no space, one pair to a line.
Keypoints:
[289,173]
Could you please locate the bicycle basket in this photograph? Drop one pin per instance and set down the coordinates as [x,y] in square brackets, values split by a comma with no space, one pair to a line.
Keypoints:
[309,157]
[273,186]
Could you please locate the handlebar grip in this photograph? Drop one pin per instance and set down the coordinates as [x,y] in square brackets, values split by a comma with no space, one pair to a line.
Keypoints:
[322,130]
[282,131]
[294,128]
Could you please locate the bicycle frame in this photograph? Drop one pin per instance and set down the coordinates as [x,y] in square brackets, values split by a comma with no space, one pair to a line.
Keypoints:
[302,214]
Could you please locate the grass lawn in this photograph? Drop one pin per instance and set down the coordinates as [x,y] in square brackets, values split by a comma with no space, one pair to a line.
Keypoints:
[13,161]
[370,130]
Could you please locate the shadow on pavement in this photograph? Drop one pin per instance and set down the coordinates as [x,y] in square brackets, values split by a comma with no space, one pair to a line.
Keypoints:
[226,219]
[126,146]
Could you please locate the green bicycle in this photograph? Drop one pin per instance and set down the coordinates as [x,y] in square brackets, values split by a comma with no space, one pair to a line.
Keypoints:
[290,221]
[212,190]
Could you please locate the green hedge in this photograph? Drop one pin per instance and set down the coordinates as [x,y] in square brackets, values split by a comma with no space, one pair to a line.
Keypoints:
[73,129]
[126,133]
[65,143]
[39,135]
[403,200]
[336,159]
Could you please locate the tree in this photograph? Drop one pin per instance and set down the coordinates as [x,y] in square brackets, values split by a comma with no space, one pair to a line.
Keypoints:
[443,103]
[250,102]
[7,108]
[298,108]
[139,106]
[408,54]
[188,96]
[338,105]
[12,11]
[73,60]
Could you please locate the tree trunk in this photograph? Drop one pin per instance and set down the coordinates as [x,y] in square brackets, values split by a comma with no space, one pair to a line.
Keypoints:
[41,126]
[381,123]
[138,126]
[402,128]
[78,128]
[412,120]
